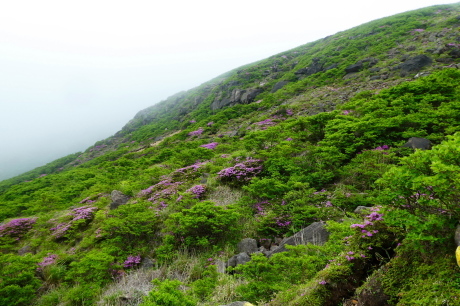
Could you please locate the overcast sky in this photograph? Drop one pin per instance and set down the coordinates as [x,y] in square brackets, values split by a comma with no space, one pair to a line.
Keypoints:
[74,72]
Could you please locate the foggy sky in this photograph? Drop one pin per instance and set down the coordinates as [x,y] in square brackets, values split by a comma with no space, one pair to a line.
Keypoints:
[74,73]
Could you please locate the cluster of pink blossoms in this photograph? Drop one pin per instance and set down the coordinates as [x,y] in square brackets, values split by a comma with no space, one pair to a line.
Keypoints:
[243,171]
[198,191]
[17,227]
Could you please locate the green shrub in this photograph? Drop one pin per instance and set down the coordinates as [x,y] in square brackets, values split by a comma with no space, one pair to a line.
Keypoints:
[18,283]
[203,225]
[266,276]
[166,293]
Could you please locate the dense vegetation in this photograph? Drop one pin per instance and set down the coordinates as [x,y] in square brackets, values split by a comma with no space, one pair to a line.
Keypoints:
[322,134]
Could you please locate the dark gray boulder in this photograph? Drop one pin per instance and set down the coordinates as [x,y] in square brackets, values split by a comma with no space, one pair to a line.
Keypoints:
[238,259]
[418,143]
[118,198]
[355,67]
[247,245]
[315,67]
[414,64]
[315,233]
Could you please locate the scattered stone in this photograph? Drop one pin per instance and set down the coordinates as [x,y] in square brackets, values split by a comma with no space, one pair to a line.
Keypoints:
[362,210]
[315,233]
[221,266]
[204,178]
[315,67]
[118,198]
[239,259]
[147,263]
[247,245]
[418,143]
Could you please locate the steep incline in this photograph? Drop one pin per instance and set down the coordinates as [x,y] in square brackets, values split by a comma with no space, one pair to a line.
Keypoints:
[304,138]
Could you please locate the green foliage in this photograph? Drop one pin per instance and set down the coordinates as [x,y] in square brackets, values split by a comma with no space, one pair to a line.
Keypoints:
[204,286]
[167,293]
[18,283]
[266,276]
[204,225]
[129,228]
[323,155]
[426,182]
[96,266]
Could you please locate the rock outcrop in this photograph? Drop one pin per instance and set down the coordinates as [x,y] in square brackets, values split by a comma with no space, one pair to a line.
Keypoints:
[247,245]
[414,64]
[237,96]
[118,198]
[418,143]
[315,233]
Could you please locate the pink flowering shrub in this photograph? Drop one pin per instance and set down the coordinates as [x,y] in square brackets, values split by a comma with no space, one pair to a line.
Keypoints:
[211,145]
[48,260]
[197,132]
[198,191]
[265,123]
[371,236]
[241,172]
[80,216]
[132,262]
[16,228]
[188,172]
[162,190]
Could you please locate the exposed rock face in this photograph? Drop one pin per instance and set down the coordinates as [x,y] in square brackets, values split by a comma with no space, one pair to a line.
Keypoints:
[414,64]
[237,96]
[118,198]
[354,68]
[418,143]
[358,66]
[278,86]
[247,245]
[315,67]
[315,233]
[373,294]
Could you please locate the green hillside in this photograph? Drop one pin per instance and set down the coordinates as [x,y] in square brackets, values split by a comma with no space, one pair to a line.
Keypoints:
[151,215]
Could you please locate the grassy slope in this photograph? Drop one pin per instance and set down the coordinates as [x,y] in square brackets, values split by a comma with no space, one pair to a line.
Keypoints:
[315,140]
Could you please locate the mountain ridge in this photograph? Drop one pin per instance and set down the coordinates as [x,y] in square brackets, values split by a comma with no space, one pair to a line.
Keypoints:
[304,137]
